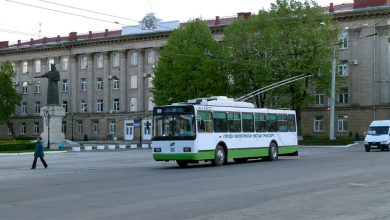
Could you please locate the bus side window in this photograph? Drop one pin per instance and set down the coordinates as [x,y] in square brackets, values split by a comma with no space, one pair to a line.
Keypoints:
[247,122]
[282,123]
[291,123]
[272,123]
[261,123]
[219,122]
[205,123]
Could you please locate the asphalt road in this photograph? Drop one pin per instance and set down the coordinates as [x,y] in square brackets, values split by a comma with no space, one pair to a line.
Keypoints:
[322,183]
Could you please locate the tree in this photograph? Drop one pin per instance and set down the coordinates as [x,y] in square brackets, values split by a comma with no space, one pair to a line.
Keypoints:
[188,66]
[9,97]
[290,39]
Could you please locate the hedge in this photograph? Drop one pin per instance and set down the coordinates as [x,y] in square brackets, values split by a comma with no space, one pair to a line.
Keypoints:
[319,140]
[16,145]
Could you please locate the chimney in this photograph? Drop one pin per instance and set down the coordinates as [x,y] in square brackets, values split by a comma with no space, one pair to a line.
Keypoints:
[331,8]
[106,32]
[31,41]
[58,39]
[3,44]
[217,21]
[90,35]
[73,36]
[44,40]
[19,43]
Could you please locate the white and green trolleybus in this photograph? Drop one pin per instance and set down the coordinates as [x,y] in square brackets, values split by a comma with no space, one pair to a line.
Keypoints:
[218,128]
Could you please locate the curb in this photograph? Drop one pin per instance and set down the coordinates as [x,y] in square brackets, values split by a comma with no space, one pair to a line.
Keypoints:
[330,146]
[31,153]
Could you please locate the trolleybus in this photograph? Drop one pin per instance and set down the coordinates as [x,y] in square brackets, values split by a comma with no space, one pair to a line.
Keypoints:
[218,128]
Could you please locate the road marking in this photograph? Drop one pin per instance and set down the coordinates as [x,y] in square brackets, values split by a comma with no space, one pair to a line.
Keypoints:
[358,184]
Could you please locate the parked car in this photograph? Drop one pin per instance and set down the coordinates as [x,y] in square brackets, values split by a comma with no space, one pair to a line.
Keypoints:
[378,136]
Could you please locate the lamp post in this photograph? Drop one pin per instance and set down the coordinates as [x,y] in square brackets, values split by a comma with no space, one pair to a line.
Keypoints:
[332,95]
[47,114]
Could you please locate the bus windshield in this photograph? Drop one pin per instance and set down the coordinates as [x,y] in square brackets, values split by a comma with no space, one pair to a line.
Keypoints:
[172,126]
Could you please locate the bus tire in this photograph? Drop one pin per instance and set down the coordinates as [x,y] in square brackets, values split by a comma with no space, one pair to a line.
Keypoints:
[219,156]
[182,163]
[273,153]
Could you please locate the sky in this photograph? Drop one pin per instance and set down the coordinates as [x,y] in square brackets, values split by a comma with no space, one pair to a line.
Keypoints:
[25,19]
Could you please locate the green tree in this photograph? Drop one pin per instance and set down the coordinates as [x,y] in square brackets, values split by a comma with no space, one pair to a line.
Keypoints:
[9,98]
[188,66]
[290,39]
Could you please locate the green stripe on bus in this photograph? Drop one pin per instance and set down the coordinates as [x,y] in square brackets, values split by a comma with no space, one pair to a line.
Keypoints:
[233,153]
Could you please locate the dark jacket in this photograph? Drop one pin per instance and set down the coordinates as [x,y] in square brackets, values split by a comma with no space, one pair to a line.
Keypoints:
[39,149]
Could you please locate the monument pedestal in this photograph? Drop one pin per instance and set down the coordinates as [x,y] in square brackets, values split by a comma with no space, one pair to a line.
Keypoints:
[52,130]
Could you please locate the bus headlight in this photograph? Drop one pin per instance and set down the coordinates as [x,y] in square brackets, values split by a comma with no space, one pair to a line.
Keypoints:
[157,149]
[186,149]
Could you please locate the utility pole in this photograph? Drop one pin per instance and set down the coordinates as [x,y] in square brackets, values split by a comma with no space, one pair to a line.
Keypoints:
[332,95]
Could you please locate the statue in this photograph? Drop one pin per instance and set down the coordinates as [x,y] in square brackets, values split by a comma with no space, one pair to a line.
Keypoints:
[53,77]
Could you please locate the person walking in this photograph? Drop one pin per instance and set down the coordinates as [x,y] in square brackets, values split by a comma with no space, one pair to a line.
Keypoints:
[39,153]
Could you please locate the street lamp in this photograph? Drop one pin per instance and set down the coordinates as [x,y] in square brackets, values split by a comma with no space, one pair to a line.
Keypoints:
[332,94]
[47,114]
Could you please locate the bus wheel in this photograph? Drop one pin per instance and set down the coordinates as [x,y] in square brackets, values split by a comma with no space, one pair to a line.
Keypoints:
[219,157]
[272,152]
[182,163]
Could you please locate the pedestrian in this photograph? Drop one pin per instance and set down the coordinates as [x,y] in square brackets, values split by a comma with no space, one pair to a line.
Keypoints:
[39,153]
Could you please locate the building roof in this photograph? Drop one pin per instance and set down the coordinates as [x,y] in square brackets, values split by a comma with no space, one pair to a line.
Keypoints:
[212,23]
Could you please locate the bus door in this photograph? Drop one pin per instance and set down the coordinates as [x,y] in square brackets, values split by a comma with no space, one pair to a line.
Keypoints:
[129,130]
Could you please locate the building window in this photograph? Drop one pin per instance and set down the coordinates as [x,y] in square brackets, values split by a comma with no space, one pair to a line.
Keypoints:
[320,98]
[23,128]
[115,105]
[63,129]
[24,87]
[65,105]
[83,62]
[24,108]
[342,124]
[65,85]
[115,83]
[99,105]
[133,104]
[99,61]
[36,128]
[133,82]
[95,126]
[65,64]
[83,106]
[38,87]
[151,57]
[13,66]
[150,81]
[343,40]
[343,68]
[25,67]
[115,59]
[318,123]
[80,126]
[37,66]
[133,58]
[112,126]
[150,103]
[99,83]
[343,95]
[50,61]
[83,84]
[37,107]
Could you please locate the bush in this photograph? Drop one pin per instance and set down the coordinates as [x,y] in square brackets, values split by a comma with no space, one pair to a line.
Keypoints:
[85,137]
[16,145]
[319,140]
[357,136]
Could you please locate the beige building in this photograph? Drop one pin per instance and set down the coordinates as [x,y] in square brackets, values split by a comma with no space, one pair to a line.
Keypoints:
[106,78]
